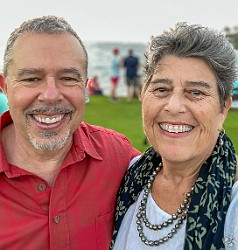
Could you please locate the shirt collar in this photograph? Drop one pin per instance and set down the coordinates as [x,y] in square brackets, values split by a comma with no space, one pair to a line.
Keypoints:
[82,142]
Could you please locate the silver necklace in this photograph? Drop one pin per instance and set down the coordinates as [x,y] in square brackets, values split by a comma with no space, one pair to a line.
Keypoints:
[142,220]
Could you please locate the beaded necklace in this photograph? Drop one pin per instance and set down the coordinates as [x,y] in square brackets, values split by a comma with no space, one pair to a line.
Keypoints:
[142,220]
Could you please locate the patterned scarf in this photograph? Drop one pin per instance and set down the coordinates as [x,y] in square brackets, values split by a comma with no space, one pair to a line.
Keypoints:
[210,200]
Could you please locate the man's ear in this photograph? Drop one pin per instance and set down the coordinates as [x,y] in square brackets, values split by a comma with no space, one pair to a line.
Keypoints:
[86,91]
[87,82]
[2,83]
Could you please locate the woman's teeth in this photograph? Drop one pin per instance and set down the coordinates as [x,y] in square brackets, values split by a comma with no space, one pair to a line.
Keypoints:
[176,128]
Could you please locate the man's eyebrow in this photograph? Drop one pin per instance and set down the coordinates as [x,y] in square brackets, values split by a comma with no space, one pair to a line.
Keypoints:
[29,71]
[71,70]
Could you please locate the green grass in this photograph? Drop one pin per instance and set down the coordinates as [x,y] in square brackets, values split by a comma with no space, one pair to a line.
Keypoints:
[231,127]
[126,119]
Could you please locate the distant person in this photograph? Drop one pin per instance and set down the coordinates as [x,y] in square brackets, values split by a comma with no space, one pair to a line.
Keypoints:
[58,175]
[115,74]
[235,91]
[94,87]
[131,64]
[3,98]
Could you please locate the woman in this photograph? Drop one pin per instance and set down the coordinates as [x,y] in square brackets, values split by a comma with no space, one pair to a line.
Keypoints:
[177,194]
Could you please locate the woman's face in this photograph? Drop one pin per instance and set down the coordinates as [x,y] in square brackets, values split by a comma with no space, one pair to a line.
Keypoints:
[181,110]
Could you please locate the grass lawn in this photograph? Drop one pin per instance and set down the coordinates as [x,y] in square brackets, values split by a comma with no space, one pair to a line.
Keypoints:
[231,127]
[126,119]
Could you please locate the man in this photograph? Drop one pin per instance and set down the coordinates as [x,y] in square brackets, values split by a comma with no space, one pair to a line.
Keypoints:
[58,175]
[131,64]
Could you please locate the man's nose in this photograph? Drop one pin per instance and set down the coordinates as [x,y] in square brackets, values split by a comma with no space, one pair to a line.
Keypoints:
[51,91]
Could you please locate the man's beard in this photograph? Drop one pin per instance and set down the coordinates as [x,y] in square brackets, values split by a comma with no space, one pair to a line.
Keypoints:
[48,140]
[47,143]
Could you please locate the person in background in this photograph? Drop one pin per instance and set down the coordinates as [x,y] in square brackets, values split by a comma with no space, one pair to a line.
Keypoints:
[115,74]
[3,98]
[235,91]
[131,64]
[58,175]
[177,194]
[94,87]
[231,223]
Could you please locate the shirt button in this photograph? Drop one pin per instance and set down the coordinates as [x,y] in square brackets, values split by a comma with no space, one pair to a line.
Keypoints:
[57,219]
[41,187]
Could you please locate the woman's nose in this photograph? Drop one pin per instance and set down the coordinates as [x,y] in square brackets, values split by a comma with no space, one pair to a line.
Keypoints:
[176,103]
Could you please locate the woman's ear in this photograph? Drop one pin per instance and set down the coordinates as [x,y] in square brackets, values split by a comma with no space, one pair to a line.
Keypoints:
[228,104]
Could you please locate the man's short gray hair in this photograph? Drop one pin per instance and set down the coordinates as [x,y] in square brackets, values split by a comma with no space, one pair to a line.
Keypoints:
[195,41]
[41,25]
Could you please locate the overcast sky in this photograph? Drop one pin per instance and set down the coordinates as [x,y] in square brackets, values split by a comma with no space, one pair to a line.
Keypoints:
[119,20]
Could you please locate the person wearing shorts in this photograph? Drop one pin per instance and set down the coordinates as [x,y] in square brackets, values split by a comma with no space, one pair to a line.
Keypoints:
[115,70]
[131,64]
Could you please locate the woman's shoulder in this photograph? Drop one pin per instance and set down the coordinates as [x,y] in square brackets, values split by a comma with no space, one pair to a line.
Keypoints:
[236,168]
[231,222]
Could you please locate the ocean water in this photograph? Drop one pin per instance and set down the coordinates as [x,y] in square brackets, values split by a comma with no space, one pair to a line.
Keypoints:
[100,54]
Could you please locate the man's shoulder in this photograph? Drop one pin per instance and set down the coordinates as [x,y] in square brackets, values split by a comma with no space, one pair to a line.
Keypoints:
[94,130]
[106,140]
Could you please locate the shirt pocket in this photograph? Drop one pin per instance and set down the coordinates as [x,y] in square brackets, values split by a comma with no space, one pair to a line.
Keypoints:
[104,228]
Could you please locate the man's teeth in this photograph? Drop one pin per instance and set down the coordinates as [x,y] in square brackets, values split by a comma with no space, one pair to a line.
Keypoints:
[175,128]
[48,120]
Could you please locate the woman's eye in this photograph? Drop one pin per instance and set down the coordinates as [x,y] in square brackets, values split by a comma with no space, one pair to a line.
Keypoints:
[160,91]
[196,92]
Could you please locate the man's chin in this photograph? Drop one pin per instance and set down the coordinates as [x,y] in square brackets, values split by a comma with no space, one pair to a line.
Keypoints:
[49,144]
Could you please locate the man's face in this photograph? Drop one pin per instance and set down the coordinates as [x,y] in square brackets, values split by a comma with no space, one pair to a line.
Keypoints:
[45,89]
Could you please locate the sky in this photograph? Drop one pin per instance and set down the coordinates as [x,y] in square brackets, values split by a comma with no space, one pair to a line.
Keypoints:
[119,20]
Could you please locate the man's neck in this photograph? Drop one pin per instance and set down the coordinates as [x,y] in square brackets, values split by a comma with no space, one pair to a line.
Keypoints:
[46,165]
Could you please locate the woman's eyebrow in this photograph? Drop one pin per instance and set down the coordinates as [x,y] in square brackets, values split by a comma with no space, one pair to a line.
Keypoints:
[161,80]
[199,84]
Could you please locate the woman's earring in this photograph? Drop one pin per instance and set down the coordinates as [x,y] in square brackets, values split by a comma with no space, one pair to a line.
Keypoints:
[221,142]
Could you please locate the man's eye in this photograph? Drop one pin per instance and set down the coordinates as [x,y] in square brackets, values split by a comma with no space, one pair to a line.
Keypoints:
[69,79]
[31,79]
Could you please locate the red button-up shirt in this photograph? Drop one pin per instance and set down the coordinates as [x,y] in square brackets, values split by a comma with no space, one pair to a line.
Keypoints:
[77,211]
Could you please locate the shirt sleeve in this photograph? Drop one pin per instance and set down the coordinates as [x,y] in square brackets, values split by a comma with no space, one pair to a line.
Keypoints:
[231,223]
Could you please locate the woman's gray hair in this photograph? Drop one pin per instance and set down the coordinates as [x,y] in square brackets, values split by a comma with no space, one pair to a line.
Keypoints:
[41,25]
[195,41]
